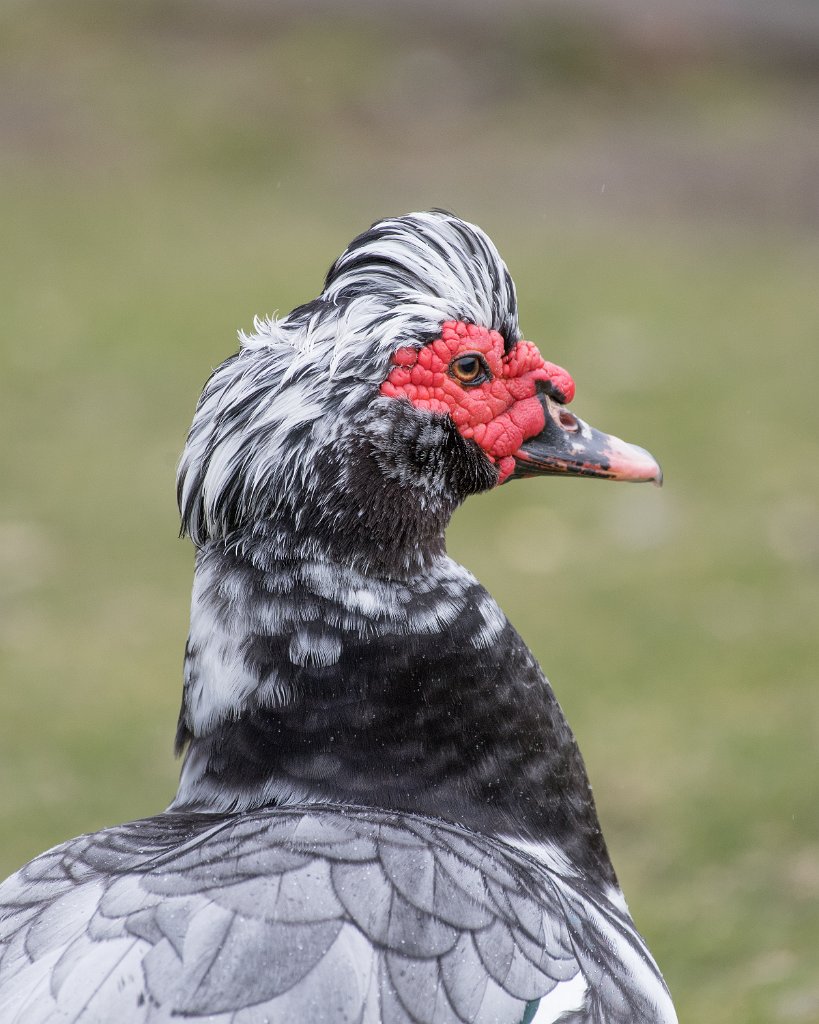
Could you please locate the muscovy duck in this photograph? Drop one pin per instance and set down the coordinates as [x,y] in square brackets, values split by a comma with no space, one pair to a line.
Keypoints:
[382,815]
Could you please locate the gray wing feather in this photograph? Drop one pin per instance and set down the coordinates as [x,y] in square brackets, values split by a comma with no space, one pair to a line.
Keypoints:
[319,915]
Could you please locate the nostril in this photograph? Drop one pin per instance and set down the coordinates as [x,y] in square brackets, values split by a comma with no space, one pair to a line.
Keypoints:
[568,421]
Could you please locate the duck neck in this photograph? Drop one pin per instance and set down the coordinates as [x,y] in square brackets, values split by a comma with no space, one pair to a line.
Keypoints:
[310,679]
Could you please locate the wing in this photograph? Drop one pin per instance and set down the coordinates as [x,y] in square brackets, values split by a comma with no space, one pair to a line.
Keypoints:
[313,915]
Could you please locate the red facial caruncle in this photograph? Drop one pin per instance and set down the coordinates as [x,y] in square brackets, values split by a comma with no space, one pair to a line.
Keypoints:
[490,395]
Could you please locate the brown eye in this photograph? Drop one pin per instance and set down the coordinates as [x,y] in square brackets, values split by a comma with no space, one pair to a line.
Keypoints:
[469,369]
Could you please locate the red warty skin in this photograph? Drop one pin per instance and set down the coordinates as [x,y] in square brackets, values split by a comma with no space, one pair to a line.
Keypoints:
[501,411]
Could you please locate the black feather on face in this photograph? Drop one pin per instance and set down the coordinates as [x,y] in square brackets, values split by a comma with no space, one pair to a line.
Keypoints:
[413,468]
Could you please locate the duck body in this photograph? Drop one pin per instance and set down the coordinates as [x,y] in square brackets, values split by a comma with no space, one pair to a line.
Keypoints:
[320,913]
[382,814]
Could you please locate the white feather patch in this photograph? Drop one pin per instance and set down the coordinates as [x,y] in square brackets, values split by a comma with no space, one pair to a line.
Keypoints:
[565,996]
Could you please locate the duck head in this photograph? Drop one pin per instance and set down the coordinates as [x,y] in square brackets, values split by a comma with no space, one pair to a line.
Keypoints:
[354,426]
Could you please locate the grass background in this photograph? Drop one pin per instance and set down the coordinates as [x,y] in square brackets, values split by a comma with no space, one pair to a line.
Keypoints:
[171,169]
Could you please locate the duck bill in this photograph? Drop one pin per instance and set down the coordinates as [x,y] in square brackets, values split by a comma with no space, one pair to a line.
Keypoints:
[569,447]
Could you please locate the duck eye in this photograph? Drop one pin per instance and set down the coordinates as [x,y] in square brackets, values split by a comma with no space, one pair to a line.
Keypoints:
[469,369]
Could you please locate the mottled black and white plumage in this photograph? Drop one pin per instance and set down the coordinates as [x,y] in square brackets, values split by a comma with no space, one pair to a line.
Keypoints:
[382,816]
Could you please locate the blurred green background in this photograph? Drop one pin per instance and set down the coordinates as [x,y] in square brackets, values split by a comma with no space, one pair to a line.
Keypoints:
[170,169]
